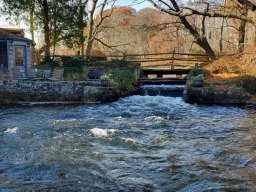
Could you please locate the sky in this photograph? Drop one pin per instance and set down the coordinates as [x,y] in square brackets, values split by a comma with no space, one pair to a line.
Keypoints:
[140,4]
[136,4]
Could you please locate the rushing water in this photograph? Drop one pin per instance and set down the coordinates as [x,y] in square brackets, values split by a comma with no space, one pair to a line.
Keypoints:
[139,143]
[162,90]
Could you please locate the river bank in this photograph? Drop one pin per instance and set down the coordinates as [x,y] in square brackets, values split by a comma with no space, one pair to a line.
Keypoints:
[218,96]
[227,89]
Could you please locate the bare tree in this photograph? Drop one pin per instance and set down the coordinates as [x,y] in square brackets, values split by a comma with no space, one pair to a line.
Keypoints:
[184,11]
[82,5]
[95,22]
[173,8]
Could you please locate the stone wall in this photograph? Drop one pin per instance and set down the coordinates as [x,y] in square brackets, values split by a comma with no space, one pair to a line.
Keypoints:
[219,96]
[16,91]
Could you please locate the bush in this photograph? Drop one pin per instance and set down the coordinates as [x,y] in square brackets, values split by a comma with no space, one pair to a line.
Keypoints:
[49,64]
[74,68]
[196,78]
[124,77]
[197,71]
[77,62]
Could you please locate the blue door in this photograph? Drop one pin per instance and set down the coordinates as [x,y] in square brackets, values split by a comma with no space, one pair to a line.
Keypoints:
[20,59]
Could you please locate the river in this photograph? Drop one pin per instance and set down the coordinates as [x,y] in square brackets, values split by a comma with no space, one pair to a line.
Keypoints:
[140,143]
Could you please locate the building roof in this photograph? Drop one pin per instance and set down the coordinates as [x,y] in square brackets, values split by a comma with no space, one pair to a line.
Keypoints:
[14,34]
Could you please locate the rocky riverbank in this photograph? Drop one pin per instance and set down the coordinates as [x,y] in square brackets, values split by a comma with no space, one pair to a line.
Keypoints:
[232,96]
[202,87]
[217,96]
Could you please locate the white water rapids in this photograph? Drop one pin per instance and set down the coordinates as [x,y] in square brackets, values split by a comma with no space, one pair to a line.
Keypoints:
[140,143]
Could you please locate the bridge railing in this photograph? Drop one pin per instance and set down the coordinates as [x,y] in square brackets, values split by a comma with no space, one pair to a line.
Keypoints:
[164,60]
[159,60]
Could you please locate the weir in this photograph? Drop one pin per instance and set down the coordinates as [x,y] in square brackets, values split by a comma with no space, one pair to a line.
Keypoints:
[160,86]
[164,69]
[162,90]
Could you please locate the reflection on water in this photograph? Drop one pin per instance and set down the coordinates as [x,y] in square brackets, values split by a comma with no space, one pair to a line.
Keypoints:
[136,144]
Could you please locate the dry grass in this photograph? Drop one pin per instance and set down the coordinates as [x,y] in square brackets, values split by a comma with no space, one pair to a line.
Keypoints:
[234,71]
[239,64]
[223,76]
[231,68]
[225,65]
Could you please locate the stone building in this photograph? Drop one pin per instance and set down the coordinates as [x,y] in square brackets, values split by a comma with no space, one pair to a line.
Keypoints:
[16,54]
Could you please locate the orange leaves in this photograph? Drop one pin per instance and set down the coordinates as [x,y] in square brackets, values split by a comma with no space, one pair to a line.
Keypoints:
[148,30]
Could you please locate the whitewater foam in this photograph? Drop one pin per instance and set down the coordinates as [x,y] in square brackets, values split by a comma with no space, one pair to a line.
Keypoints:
[98,132]
[64,121]
[128,140]
[153,118]
[11,130]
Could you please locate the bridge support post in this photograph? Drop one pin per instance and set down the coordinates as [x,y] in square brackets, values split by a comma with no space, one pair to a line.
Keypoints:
[159,75]
[178,76]
[173,55]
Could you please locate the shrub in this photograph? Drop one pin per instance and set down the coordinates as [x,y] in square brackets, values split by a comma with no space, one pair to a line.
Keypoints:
[74,68]
[124,77]
[49,64]
[196,78]
[197,71]
[77,62]
[106,77]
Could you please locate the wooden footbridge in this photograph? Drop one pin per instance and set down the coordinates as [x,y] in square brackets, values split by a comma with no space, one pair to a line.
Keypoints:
[166,68]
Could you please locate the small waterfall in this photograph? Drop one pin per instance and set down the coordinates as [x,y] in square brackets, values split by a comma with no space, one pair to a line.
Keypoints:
[162,90]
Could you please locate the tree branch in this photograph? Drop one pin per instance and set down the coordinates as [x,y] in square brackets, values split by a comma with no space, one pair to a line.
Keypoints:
[113,47]
[188,11]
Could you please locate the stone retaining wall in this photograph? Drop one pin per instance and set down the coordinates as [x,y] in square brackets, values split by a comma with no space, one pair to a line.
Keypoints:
[16,91]
[219,96]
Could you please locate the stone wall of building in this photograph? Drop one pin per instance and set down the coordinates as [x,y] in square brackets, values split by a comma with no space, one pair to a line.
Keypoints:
[15,91]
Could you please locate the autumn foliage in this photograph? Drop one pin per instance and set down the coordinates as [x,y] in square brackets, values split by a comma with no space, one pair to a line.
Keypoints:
[146,31]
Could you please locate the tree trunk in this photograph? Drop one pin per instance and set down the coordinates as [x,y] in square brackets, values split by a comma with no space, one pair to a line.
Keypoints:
[47,32]
[204,44]
[201,41]
[221,35]
[241,39]
[55,28]
[81,27]
[90,38]
[31,20]
[88,48]
[82,49]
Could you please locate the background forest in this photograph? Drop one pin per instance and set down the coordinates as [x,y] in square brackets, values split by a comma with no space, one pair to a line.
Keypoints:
[101,27]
